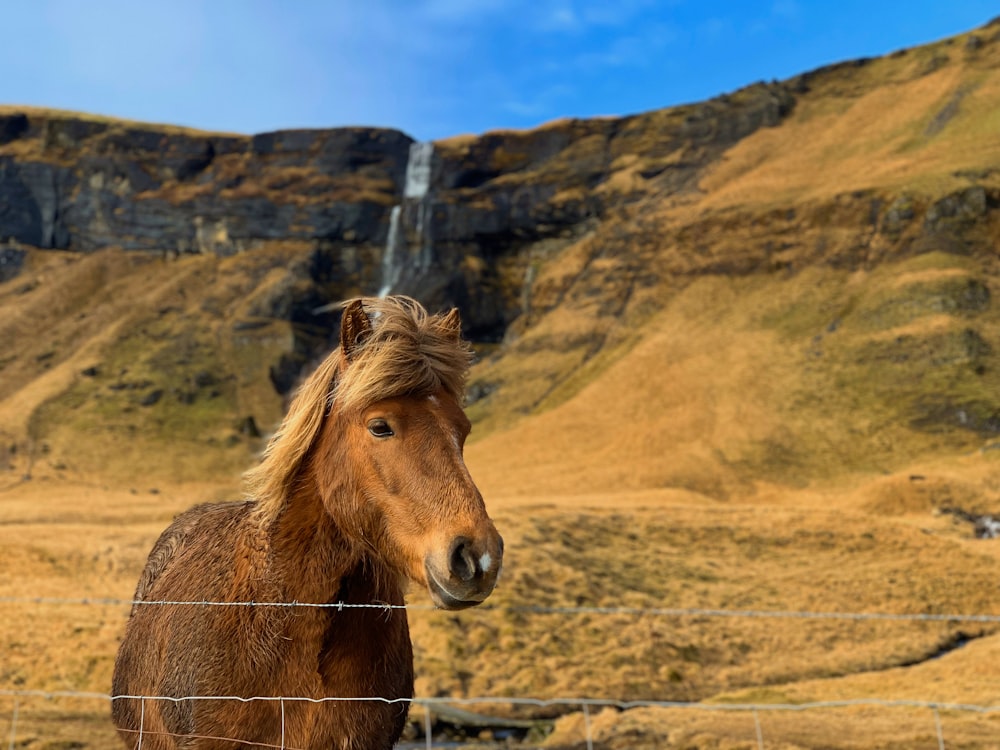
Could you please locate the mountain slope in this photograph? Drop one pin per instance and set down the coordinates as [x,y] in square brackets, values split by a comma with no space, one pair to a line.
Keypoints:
[829,282]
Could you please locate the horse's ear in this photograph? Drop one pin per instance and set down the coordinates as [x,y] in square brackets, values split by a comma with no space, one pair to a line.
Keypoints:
[355,327]
[452,323]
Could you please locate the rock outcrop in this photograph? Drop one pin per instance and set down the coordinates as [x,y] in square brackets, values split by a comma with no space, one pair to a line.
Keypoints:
[82,184]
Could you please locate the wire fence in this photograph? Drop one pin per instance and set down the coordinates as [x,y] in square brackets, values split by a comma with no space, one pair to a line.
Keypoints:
[533,609]
[582,704]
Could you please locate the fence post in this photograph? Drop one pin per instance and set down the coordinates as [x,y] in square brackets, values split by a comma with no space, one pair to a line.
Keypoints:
[13,727]
[427,727]
[760,734]
[282,703]
[142,721]
[937,726]
[586,726]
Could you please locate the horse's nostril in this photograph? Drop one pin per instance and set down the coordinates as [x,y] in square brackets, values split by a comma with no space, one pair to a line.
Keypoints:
[461,561]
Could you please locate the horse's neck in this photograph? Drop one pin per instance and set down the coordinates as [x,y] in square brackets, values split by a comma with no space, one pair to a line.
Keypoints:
[360,651]
[309,554]
[314,561]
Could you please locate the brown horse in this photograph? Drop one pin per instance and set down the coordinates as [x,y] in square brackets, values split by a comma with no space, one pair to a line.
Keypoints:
[362,487]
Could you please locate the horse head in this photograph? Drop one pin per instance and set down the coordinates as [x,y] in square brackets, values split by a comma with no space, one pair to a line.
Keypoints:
[398,426]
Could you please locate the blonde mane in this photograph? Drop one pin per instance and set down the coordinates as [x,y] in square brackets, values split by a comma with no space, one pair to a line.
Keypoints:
[406,352]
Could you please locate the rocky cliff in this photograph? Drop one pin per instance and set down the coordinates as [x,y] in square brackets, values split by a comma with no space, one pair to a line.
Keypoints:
[72,183]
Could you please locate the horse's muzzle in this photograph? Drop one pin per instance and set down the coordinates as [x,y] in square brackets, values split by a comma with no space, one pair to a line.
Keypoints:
[467,574]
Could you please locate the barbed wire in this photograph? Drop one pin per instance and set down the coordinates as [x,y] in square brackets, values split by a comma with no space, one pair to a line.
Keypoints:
[508,701]
[529,608]
[157,733]
[584,704]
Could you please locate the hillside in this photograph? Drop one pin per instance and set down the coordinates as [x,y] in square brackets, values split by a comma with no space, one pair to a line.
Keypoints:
[737,355]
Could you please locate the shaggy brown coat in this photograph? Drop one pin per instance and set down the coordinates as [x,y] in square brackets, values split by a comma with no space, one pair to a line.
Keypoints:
[362,487]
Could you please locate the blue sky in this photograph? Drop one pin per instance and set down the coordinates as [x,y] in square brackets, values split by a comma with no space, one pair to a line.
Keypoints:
[432,68]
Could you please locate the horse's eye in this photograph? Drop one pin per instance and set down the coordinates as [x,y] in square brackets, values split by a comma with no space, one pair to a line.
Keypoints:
[380,428]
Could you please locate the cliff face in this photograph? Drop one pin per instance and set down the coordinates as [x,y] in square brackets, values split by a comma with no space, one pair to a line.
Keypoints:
[84,185]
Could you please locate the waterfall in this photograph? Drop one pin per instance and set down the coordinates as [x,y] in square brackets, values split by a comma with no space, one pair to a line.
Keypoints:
[418,170]
[390,269]
[416,186]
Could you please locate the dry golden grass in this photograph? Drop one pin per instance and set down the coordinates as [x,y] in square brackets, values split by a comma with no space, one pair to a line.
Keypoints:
[914,130]
[195,329]
[72,542]
[49,113]
[783,461]
[789,551]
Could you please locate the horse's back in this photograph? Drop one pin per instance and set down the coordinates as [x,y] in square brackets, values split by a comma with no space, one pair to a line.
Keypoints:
[209,518]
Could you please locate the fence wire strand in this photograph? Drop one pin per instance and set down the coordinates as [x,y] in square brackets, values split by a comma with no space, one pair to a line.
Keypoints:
[532,609]
[585,704]
[147,733]
[501,700]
